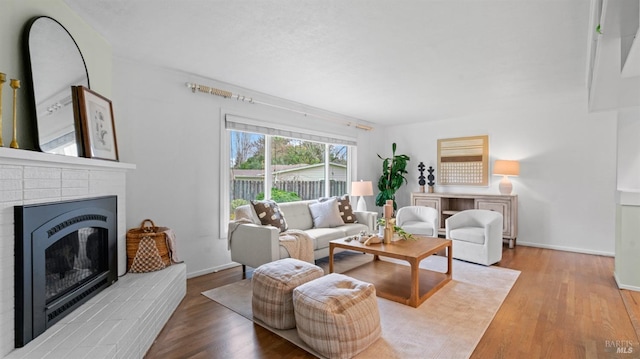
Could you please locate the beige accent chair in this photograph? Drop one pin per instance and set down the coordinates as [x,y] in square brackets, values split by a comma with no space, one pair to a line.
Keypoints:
[418,220]
[476,235]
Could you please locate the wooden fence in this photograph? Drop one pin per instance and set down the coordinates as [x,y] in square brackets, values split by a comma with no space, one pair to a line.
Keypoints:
[249,189]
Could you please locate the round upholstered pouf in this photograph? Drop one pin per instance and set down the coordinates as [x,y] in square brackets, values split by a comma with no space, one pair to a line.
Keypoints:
[337,315]
[273,285]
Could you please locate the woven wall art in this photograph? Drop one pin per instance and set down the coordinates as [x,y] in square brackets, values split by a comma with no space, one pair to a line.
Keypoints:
[464,161]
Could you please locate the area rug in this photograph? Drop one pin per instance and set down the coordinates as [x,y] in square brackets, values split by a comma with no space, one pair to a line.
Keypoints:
[447,325]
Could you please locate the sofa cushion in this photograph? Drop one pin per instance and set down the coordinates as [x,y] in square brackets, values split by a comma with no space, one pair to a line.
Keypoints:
[418,227]
[326,214]
[246,211]
[269,214]
[322,236]
[468,234]
[297,214]
[353,229]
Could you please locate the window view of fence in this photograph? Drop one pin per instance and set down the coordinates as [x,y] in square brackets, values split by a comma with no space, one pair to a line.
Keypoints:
[301,190]
[298,169]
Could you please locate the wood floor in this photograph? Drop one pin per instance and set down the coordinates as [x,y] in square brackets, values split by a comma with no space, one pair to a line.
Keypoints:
[563,305]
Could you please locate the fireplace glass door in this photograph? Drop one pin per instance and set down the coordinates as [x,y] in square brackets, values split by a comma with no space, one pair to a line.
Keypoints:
[73,260]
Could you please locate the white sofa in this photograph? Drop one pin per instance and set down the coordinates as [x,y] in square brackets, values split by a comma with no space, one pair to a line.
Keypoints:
[253,244]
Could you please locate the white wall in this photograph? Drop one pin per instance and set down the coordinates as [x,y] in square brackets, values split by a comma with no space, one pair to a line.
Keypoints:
[173,136]
[14,15]
[566,186]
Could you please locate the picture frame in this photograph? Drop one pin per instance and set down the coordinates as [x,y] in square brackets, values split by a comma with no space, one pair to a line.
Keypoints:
[94,116]
[464,161]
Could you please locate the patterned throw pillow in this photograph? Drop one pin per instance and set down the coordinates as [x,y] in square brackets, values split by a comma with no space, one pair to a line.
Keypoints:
[270,214]
[346,211]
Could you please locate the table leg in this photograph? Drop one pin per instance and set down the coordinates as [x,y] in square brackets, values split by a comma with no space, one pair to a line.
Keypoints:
[415,283]
[330,258]
[449,259]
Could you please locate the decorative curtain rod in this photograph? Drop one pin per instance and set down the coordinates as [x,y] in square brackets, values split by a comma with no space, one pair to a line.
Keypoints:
[229,94]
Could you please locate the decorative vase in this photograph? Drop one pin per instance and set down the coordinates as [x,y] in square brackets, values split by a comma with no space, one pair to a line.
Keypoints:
[431,177]
[388,235]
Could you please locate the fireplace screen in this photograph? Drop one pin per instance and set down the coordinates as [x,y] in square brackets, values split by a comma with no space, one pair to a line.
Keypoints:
[66,253]
[73,259]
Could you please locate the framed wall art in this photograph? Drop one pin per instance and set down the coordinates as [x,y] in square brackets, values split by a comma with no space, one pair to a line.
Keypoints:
[94,114]
[464,161]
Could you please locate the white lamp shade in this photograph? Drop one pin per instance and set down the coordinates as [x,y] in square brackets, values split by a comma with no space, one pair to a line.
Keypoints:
[361,188]
[506,168]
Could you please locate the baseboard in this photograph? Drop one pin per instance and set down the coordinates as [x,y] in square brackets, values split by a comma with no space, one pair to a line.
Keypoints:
[624,286]
[565,249]
[212,270]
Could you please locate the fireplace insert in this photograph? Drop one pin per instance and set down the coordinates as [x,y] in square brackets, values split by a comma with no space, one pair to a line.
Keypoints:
[65,254]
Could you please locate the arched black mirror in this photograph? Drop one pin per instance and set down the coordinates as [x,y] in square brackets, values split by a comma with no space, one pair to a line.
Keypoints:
[56,64]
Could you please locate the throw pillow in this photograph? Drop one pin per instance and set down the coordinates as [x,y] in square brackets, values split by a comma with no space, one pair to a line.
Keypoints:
[326,214]
[346,211]
[270,214]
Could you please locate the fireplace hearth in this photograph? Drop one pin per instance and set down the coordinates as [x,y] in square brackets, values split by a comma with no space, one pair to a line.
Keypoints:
[66,253]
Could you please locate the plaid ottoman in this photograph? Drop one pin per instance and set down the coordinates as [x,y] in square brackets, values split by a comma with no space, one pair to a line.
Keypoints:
[273,285]
[337,315]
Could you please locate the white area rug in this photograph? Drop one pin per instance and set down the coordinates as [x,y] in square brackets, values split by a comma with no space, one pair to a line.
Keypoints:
[447,325]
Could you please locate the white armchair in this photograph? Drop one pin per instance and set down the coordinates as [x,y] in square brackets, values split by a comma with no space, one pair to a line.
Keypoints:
[476,235]
[418,220]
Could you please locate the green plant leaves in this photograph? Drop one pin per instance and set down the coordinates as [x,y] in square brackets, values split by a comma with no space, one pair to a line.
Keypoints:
[393,171]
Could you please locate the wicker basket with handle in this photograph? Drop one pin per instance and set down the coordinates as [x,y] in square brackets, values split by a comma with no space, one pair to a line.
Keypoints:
[148,231]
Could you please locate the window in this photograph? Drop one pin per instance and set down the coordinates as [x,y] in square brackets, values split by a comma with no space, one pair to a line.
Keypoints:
[283,165]
[247,168]
[338,169]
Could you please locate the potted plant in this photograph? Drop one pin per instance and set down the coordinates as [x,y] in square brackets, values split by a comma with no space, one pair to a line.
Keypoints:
[397,229]
[393,171]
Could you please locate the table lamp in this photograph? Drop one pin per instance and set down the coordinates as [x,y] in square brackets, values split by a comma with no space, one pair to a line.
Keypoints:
[361,188]
[506,168]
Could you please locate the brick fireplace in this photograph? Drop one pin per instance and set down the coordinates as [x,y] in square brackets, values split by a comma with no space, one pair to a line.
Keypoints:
[111,324]
[29,177]
[121,321]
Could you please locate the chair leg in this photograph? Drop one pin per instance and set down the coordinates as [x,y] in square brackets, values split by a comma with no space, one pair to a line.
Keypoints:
[244,271]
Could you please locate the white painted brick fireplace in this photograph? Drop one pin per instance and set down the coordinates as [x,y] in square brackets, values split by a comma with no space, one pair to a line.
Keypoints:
[121,321]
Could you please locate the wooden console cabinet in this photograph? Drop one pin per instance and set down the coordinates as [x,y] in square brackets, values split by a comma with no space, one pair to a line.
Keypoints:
[449,204]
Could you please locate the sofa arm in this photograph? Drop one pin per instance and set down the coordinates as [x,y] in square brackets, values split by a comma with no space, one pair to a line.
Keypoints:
[369,219]
[254,245]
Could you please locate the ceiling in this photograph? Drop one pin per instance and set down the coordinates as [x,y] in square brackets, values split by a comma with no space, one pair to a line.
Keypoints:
[386,62]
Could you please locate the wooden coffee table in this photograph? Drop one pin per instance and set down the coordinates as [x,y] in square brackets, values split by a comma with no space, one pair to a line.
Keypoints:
[409,285]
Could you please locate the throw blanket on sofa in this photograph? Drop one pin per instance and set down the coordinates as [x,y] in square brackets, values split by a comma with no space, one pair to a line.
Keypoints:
[298,243]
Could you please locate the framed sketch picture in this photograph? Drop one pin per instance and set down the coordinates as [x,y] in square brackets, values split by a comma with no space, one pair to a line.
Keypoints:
[94,114]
